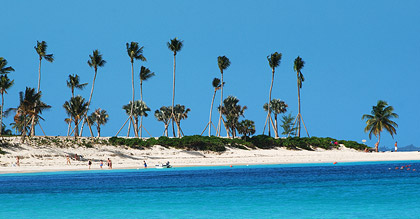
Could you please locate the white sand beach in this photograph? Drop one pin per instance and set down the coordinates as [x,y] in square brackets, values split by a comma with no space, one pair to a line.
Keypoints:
[40,158]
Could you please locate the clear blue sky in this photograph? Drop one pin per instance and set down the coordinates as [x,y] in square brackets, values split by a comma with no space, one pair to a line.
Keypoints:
[356,52]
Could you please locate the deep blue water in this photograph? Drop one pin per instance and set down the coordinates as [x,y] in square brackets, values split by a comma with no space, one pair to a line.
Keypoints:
[352,190]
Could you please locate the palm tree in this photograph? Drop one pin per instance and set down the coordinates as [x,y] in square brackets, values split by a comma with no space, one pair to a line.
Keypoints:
[134,52]
[74,82]
[139,109]
[287,125]
[180,113]
[277,106]
[246,128]
[380,120]
[274,62]
[3,68]
[175,46]
[94,62]
[164,114]
[30,106]
[232,112]
[145,74]
[41,49]
[99,117]
[298,65]
[76,108]
[21,124]
[5,84]
[216,85]
[223,62]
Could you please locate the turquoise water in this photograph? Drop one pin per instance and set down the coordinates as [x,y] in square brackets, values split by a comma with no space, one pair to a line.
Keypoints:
[351,190]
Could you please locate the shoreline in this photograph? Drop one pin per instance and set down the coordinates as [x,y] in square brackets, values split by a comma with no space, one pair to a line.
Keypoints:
[45,156]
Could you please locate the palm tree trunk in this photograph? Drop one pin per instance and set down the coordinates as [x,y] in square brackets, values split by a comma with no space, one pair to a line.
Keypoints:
[269,101]
[99,130]
[377,144]
[299,115]
[211,109]
[141,99]
[173,97]
[219,124]
[132,102]
[276,131]
[39,74]
[76,127]
[166,129]
[178,124]
[141,126]
[1,116]
[88,105]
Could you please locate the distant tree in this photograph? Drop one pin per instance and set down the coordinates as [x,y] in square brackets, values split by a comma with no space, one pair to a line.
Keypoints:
[74,82]
[76,108]
[30,108]
[5,84]
[5,131]
[180,113]
[175,46]
[223,62]
[164,114]
[273,61]
[134,51]
[246,128]
[287,125]
[216,85]
[41,49]
[140,109]
[380,120]
[277,106]
[3,68]
[99,117]
[95,61]
[232,111]
[298,65]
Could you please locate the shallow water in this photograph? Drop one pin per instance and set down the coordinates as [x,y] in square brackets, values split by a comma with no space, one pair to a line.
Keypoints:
[351,190]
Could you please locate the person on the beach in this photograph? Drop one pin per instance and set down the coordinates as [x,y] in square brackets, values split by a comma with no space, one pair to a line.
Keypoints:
[376,146]
[17,161]
[101,164]
[145,164]
[89,163]
[109,164]
[75,157]
[396,147]
[68,160]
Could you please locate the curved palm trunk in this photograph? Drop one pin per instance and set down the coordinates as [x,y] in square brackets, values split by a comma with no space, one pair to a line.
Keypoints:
[173,97]
[211,109]
[377,144]
[39,87]
[299,115]
[219,124]
[1,116]
[132,102]
[88,105]
[141,117]
[269,108]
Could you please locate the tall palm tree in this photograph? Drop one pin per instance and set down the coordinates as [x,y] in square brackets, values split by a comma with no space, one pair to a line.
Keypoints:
[298,65]
[74,82]
[232,111]
[140,109]
[134,52]
[145,74]
[41,49]
[380,120]
[95,61]
[175,46]
[274,62]
[99,117]
[277,106]
[180,113]
[223,62]
[5,84]
[164,114]
[216,85]
[30,106]
[76,108]
[3,68]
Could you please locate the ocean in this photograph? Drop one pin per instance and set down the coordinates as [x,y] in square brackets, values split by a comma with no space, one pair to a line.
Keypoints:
[343,190]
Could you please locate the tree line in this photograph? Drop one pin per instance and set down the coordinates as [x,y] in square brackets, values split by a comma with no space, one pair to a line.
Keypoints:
[28,112]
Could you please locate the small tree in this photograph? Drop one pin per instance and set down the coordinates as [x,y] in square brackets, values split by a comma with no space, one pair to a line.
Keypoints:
[99,117]
[288,125]
[246,128]
[164,114]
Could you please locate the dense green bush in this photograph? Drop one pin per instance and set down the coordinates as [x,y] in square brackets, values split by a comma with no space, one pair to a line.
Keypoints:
[204,143]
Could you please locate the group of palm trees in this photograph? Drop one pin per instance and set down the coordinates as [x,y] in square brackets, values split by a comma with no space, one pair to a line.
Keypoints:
[31,107]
